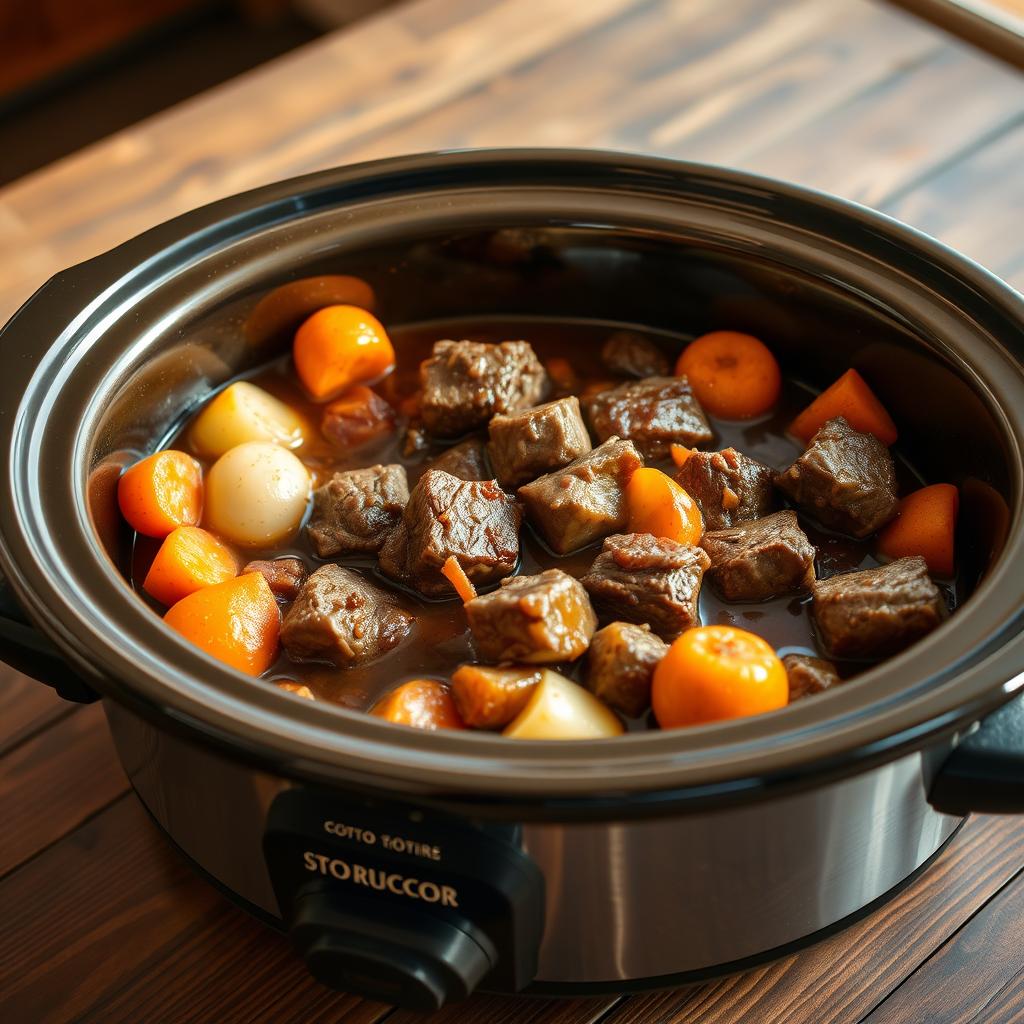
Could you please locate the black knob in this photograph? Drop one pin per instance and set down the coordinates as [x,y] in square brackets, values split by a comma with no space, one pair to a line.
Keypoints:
[399,955]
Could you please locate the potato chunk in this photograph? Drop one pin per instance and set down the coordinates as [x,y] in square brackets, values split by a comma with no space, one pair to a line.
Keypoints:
[560,709]
[489,698]
[243,412]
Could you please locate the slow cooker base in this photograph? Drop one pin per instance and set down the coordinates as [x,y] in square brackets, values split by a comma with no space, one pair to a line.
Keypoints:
[578,990]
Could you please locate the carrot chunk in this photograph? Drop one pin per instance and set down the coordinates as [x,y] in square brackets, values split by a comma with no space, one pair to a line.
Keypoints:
[925,525]
[851,398]
[188,560]
[457,577]
[734,375]
[237,622]
[340,346]
[421,703]
[659,506]
[162,492]
[282,310]
[680,453]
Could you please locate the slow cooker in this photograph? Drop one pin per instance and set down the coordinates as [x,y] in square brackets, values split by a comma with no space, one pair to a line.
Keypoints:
[416,867]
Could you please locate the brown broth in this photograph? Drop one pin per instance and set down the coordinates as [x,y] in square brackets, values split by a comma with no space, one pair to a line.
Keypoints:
[440,641]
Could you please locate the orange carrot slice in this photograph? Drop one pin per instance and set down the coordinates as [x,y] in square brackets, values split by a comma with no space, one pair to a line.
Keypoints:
[188,560]
[659,506]
[734,375]
[237,622]
[161,493]
[851,398]
[421,703]
[340,346]
[925,526]
[680,453]
[457,577]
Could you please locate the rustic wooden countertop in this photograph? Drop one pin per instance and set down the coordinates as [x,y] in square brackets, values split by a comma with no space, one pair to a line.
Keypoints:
[102,921]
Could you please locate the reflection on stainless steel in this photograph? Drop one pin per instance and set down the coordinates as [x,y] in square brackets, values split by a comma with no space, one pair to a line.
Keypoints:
[625,900]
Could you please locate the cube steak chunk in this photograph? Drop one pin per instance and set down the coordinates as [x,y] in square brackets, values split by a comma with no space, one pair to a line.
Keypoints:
[845,479]
[466,382]
[760,559]
[620,666]
[489,698]
[526,444]
[473,520]
[877,612]
[285,575]
[728,487]
[641,578]
[585,500]
[340,617]
[653,413]
[358,417]
[538,619]
[465,460]
[357,509]
[808,675]
[630,354]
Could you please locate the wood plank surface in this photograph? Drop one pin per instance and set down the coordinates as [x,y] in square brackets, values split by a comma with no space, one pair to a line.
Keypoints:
[103,921]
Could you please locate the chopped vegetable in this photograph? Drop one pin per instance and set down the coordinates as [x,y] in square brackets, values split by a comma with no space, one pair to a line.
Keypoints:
[188,560]
[243,412]
[560,709]
[717,672]
[421,703]
[489,698]
[733,375]
[457,577]
[340,346]
[680,453]
[851,398]
[237,622]
[283,309]
[357,417]
[562,375]
[161,493]
[256,494]
[925,525]
[299,689]
[659,506]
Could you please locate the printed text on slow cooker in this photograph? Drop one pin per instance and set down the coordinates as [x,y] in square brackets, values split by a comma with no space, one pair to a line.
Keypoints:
[375,878]
[396,844]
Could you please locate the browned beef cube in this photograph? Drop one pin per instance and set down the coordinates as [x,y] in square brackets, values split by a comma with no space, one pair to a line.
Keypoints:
[653,413]
[632,355]
[356,418]
[808,675]
[357,509]
[760,559]
[534,619]
[526,444]
[728,487]
[285,575]
[467,461]
[466,382]
[640,578]
[845,480]
[585,500]
[341,618]
[620,666]
[876,612]
[473,520]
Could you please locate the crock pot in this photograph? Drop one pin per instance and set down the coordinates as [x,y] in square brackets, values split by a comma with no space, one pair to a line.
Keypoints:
[415,867]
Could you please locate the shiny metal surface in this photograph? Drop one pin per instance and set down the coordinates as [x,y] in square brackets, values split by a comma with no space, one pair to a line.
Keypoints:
[625,901]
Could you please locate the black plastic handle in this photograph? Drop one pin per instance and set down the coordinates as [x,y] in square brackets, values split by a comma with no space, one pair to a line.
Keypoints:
[985,773]
[23,647]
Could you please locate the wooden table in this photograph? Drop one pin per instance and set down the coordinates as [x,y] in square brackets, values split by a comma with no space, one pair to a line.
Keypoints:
[101,919]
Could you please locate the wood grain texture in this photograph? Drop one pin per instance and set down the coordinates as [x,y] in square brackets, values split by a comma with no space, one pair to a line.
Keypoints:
[25,707]
[843,978]
[962,978]
[111,926]
[54,781]
[837,94]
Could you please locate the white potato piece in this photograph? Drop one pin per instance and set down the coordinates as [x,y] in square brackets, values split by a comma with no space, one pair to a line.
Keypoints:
[243,412]
[256,494]
[562,710]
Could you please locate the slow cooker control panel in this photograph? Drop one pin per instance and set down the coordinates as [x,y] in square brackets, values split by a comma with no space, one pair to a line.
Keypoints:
[400,905]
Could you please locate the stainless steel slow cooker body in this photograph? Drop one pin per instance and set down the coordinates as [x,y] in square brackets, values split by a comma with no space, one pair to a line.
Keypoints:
[653,858]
